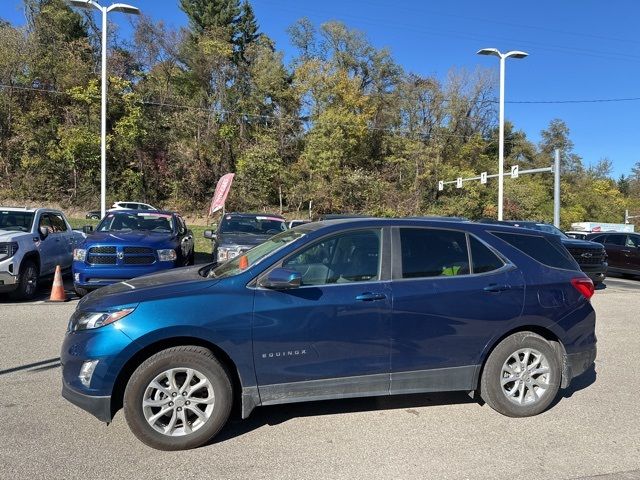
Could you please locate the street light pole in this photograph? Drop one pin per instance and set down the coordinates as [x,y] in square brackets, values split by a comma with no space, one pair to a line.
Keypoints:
[116,7]
[503,57]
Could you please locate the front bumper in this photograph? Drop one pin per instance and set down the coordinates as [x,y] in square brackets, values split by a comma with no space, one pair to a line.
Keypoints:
[9,274]
[597,273]
[575,364]
[94,276]
[98,406]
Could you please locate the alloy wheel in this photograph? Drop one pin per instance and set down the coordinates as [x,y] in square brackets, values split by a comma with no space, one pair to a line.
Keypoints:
[178,401]
[525,376]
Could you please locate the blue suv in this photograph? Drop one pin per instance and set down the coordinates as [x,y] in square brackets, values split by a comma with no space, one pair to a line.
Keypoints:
[131,243]
[335,309]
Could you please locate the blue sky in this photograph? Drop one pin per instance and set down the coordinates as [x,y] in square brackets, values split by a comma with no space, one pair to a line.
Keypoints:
[579,50]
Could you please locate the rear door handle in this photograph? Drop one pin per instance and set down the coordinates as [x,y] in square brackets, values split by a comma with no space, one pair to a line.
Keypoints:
[370,297]
[496,288]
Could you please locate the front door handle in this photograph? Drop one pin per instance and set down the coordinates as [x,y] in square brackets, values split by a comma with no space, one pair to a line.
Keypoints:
[370,297]
[494,287]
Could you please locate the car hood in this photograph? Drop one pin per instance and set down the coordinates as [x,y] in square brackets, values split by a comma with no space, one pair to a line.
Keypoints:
[242,239]
[575,243]
[146,239]
[168,283]
[12,235]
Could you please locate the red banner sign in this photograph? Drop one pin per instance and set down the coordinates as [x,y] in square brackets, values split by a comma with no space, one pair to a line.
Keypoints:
[220,195]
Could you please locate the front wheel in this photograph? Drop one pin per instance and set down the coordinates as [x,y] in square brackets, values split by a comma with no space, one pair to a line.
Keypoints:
[81,292]
[178,399]
[27,281]
[522,376]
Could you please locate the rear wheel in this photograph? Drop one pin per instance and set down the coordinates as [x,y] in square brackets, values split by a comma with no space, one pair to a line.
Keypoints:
[27,281]
[178,399]
[522,375]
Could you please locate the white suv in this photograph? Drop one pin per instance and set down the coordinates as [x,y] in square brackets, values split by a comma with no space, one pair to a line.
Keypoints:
[132,206]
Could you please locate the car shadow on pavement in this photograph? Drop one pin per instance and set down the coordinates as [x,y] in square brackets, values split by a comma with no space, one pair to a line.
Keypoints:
[582,381]
[277,414]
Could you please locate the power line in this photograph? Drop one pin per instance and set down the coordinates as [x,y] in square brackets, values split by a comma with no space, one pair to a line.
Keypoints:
[444,100]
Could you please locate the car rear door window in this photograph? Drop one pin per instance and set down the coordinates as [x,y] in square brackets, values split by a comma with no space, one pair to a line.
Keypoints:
[631,241]
[615,240]
[540,249]
[433,253]
[349,257]
[482,259]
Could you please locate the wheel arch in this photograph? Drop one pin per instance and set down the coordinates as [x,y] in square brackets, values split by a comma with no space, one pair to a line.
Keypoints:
[35,257]
[544,332]
[117,395]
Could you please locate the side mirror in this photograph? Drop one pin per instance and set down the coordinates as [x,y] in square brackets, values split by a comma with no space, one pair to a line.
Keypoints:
[281,279]
[210,234]
[44,232]
[87,229]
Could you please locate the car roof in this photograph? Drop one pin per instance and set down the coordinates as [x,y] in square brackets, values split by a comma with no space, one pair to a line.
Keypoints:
[29,209]
[121,211]
[253,215]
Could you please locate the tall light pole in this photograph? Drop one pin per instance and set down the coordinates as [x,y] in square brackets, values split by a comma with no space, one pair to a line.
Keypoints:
[116,7]
[503,57]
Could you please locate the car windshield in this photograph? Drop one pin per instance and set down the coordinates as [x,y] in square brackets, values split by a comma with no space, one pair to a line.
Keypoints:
[136,221]
[258,225]
[543,227]
[256,254]
[18,221]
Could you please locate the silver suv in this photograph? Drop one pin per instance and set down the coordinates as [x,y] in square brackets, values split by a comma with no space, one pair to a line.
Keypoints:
[32,242]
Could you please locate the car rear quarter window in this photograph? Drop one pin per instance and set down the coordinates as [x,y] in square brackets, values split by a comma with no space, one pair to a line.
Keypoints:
[483,259]
[433,253]
[541,249]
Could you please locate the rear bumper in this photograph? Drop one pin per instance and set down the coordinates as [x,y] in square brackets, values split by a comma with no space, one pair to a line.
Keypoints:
[575,364]
[99,407]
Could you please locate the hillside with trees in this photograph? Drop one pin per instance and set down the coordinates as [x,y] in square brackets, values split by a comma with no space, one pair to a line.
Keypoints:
[342,125]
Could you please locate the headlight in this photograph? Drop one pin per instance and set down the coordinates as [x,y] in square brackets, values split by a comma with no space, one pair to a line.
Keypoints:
[79,254]
[8,250]
[167,255]
[223,254]
[227,253]
[89,320]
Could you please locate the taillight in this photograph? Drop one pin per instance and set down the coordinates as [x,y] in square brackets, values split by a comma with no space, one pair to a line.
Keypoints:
[584,286]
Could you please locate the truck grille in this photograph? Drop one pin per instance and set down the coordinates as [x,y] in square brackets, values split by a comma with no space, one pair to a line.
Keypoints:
[140,260]
[98,250]
[102,259]
[111,255]
[137,250]
[587,256]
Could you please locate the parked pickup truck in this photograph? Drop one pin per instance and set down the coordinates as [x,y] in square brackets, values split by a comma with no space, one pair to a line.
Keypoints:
[131,243]
[32,242]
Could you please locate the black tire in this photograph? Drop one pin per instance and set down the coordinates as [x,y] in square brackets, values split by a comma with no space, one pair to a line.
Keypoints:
[81,292]
[491,389]
[28,281]
[203,361]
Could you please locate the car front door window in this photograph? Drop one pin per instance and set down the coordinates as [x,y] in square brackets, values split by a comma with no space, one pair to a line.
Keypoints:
[346,258]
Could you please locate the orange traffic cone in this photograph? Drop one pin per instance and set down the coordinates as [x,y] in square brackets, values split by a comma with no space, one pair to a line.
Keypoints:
[57,289]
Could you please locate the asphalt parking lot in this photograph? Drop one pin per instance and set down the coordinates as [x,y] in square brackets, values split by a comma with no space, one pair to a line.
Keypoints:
[593,430]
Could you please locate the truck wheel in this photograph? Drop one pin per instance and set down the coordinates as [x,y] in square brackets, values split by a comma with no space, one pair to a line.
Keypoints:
[178,399]
[27,281]
[522,376]
[81,292]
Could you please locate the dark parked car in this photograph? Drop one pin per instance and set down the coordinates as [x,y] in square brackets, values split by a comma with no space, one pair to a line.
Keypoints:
[93,215]
[131,243]
[335,309]
[623,250]
[238,232]
[591,257]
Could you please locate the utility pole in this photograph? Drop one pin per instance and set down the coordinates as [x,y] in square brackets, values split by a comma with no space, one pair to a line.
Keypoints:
[503,57]
[116,7]
[556,189]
